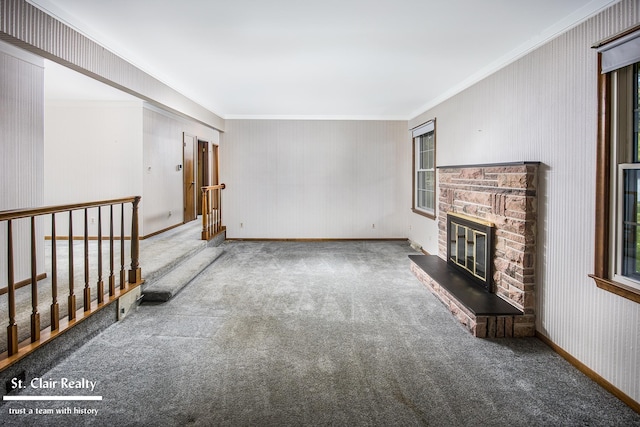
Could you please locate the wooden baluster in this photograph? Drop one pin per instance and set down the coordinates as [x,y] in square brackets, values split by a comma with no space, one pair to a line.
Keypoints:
[72,298]
[213,205]
[135,274]
[12,328]
[112,278]
[216,209]
[218,200]
[203,235]
[35,316]
[122,282]
[55,307]
[207,203]
[100,282]
[212,216]
[87,289]
[212,210]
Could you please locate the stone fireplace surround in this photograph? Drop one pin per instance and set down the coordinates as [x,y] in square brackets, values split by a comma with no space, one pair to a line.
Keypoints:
[506,195]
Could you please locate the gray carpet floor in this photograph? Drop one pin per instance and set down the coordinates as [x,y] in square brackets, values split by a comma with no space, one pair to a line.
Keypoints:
[332,333]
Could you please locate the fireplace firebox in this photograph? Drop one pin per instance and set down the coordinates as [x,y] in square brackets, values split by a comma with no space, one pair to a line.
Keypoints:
[469,248]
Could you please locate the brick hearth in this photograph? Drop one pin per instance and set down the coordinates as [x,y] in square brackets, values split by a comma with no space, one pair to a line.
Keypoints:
[506,195]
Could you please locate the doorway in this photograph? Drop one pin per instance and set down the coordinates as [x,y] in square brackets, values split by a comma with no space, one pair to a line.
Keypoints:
[207,168]
[203,170]
[188,176]
[214,165]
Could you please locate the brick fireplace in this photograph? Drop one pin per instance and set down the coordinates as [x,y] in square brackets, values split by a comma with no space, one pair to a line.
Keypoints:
[506,196]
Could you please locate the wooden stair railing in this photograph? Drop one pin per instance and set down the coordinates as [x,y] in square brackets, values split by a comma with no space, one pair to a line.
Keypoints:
[212,211]
[15,350]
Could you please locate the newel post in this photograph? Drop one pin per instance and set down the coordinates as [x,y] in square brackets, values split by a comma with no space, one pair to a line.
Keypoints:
[135,274]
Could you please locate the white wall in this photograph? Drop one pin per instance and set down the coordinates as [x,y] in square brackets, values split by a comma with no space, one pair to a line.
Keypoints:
[93,151]
[315,179]
[21,152]
[163,195]
[544,108]
[98,150]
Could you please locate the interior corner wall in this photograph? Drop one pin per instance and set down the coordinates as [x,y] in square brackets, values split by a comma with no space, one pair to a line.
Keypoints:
[163,196]
[543,107]
[21,152]
[295,179]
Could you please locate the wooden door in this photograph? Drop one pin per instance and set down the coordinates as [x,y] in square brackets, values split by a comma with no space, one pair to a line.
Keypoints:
[188,177]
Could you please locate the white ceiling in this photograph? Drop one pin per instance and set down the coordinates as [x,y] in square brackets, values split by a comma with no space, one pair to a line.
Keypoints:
[383,59]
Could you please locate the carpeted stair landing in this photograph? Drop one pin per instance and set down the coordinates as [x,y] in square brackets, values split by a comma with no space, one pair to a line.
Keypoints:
[165,287]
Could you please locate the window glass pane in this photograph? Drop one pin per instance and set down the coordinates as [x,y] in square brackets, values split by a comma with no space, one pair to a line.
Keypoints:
[636,112]
[426,152]
[421,198]
[631,225]
[428,180]
[429,201]
[424,162]
[421,181]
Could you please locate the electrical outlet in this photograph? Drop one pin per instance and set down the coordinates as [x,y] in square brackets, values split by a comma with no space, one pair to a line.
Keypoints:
[241,225]
[93,220]
[128,302]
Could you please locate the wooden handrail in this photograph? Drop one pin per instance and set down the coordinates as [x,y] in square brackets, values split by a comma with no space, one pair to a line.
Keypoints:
[16,350]
[214,187]
[28,212]
[212,211]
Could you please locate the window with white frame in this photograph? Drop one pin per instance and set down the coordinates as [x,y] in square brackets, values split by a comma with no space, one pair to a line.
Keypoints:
[628,225]
[617,260]
[424,169]
[624,129]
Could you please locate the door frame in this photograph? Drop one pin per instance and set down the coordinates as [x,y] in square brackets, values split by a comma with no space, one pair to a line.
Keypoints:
[204,173]
[188,177]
